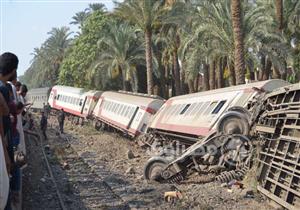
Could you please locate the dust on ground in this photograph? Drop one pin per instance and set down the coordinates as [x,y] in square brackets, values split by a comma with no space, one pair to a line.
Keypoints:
[104,157]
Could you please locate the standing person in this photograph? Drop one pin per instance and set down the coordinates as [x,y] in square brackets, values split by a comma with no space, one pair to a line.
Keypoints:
[47,109]
[43,125]
[15,109]
[8,67]
[17,85]
[21,97]
[61,120]
[4,158]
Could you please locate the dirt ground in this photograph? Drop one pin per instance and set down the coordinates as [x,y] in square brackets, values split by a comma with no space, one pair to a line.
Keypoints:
[93,171]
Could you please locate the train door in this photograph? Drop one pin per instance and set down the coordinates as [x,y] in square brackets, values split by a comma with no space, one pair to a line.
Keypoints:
[133,116]
[82,103]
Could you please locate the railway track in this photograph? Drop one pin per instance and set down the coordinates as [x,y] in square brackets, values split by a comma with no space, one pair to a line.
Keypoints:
[86,184]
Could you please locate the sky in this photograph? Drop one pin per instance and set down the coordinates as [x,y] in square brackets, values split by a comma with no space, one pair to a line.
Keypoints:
[24,24]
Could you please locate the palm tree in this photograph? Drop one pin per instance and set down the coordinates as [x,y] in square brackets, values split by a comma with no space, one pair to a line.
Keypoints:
[279,13]
[239,59]
[55,50]
[97,7]
[145,14]
[122,53]
[79,18]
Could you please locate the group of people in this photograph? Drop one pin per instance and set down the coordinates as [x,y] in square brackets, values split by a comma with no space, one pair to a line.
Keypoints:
[44,120]
[12,142]
[12,110]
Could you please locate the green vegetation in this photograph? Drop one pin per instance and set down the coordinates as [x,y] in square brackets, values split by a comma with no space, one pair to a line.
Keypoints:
[172,47]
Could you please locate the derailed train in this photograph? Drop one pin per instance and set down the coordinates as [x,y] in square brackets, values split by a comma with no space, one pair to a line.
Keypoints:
[217,127]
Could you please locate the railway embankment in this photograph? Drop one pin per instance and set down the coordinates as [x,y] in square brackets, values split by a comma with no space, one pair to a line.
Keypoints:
[101,170]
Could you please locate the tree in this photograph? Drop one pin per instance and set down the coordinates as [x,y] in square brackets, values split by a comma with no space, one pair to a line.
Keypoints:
[279,13]
[145,14]
[48,58]
[239,59]
[75,69]
[79,18]
[123,52]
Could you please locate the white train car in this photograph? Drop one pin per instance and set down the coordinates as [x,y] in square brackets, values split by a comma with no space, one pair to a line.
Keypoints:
[191,116]
[127,112]
[38,97]
[75,101]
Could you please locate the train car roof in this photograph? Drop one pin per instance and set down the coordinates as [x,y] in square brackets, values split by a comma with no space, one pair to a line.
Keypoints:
[131,98]
[69,89]
[38,90]
[267,85]
[73,90]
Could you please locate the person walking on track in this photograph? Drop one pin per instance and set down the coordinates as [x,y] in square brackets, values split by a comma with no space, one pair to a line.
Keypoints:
[43,125]
[61,120]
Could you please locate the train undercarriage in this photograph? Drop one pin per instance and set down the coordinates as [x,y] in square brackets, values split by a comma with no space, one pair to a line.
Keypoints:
[223,155]
[273,137]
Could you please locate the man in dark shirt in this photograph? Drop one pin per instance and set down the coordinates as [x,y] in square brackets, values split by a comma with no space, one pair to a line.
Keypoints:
[8,67]
[43,125]
[61,120]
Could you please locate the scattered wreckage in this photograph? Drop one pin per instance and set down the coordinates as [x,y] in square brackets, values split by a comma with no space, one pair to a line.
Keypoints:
[269,126]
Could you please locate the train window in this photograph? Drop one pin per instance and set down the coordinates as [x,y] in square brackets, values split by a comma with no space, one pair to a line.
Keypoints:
[190,108]
[174,109]
[194,108]
[202,108]
[138,116]
[185,108]
[123,110]
[179,108]
[210,107]
[106,105]
[117,108]
[128,113]
[219,107]
[143,127]
[120,109]
[113,106]
[110,104]
[80,103]
[131,112]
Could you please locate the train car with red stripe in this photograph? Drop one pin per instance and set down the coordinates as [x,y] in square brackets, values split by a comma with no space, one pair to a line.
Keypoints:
[75,101]
[188,118]
[126,111]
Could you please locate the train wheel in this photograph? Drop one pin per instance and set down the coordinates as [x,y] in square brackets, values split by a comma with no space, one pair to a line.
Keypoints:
[154,168]
[233,122]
